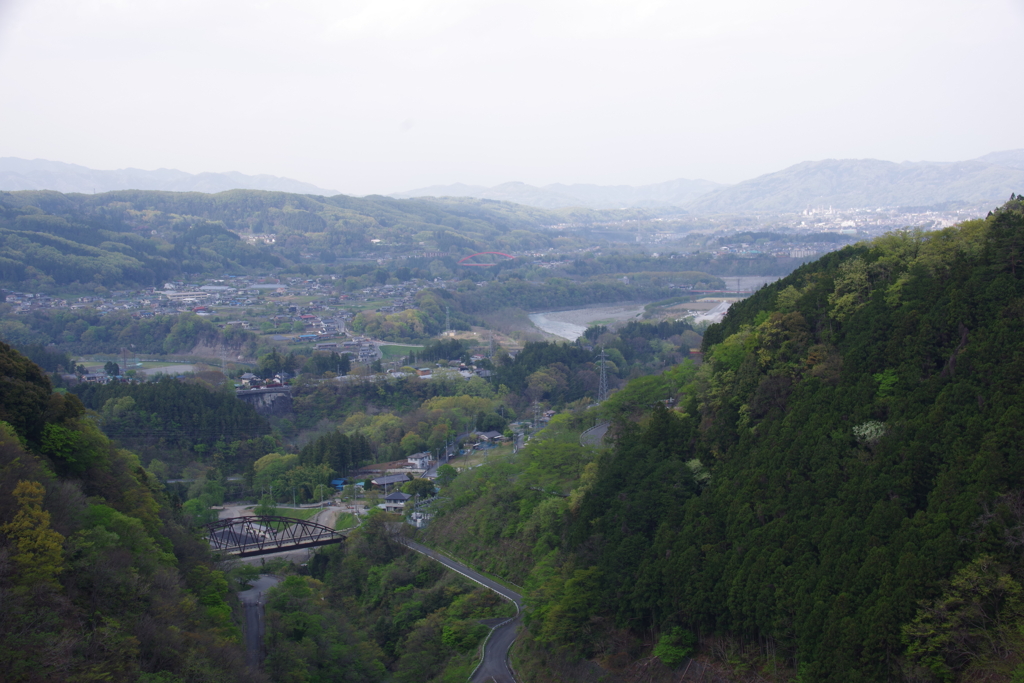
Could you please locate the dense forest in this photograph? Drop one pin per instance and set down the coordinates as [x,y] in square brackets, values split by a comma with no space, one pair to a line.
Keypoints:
[179,422]
[100,577]
[835,495]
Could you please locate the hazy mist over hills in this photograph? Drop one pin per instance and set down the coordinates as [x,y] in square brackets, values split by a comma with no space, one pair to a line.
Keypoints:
[558,195]
[868,183]
[40,174]
[1013,158]
[839,183]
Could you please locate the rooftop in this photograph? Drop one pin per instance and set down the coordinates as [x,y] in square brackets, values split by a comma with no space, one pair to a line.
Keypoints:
[390,479]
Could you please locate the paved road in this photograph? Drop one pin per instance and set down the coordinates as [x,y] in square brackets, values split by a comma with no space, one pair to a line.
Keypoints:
[494,666]
[253,601]
[595,435]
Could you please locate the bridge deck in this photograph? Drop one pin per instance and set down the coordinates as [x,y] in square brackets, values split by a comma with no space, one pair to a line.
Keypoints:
[249,536]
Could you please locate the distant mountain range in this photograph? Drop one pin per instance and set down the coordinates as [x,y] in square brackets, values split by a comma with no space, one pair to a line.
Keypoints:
[839,183]
[39,174]
[869,183]
[557,196]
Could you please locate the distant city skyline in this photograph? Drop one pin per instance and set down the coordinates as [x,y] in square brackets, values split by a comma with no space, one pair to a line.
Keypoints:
[386,96]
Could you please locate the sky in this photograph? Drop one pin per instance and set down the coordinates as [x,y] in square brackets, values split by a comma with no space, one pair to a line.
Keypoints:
[380,96]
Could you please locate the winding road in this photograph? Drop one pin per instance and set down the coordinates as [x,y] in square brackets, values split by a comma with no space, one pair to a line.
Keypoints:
[494,666]
[595,435]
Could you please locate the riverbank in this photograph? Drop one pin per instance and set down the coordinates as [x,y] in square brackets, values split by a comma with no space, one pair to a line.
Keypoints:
[571,324]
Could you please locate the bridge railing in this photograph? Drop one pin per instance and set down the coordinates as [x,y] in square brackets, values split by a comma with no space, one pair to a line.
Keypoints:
[261,535]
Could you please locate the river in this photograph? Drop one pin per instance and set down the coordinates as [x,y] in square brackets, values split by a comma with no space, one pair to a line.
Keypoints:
[571,324]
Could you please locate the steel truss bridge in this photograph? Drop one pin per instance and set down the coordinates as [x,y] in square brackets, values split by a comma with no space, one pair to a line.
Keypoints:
[248,536]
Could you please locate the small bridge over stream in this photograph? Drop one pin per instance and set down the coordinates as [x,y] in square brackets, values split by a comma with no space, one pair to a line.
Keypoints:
[249,536]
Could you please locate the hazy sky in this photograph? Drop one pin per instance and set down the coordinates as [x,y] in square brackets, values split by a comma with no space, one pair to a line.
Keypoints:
[388,95]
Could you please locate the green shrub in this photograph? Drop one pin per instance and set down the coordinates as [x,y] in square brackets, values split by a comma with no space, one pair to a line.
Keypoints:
[675,646]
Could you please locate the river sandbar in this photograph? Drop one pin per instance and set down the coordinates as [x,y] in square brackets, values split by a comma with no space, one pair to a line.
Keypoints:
[571,324]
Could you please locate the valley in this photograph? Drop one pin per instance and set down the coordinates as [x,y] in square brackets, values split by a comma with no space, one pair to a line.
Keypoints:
[656,465]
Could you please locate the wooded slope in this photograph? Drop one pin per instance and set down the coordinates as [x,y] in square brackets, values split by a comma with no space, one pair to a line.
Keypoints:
[843,479]
[838,494]
[100,579]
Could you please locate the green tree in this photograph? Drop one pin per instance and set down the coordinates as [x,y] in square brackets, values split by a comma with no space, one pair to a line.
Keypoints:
[39,556]
[413,443]
[851,288]
[980,616]
[446,475]
[266,508]
[198,512]
[423,488]
[675,646]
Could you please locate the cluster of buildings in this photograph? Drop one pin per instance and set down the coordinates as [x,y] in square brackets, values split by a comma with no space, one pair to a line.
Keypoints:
[452,369]
[873,222]
[390,477]
[362,349]
[796,231]
[24,302]
[326,315]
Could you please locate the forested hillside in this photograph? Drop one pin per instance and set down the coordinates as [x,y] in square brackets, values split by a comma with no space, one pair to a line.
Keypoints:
[836,496]
[99,578]
[138,238]
[86,331]
[179,422]
[371,611]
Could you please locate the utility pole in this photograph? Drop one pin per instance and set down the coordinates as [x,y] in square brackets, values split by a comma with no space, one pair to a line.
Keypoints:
[447,322]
